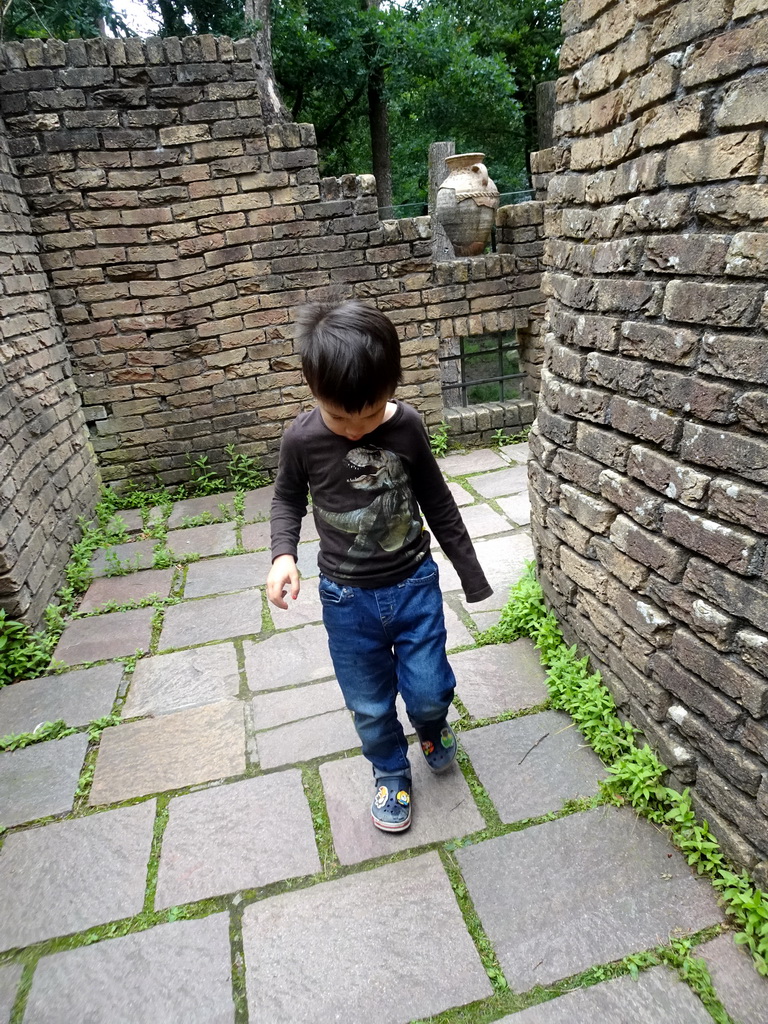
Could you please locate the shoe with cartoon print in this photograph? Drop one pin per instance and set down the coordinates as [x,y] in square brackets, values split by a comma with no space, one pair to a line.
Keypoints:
[391,807]
[438,745]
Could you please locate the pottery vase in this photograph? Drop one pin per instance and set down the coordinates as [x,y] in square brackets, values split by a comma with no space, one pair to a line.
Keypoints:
[466,203]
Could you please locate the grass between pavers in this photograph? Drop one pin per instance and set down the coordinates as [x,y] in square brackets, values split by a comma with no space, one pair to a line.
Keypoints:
[637,776]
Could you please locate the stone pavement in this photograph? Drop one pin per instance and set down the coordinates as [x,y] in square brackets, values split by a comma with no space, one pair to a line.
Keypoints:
[211,858]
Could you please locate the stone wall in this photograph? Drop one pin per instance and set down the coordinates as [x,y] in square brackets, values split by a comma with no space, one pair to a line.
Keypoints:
[48,474]
[651,451]
[180,232]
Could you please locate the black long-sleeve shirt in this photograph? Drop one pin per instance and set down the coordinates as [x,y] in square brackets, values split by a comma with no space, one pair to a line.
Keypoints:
[367,500]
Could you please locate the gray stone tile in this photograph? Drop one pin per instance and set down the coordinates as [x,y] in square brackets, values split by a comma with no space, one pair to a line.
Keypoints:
[458,634]
[500,677]
[482,521]
[512,480]
[452,716]
[211,618]
[586,889]
[40,779]
[176,750]
[122,589]
[449,578]
[460,495]
[378,971]
[479,460]
[113,635]
[286,659]
[524,780]
[10,976]
[256,535]
[130,518]
[518,508]
[519,453]
[443,808]
[184,679]
[305,609]
[305,740]
[282,706]
[220,506]
[226,575]
[214,539]
[309,528]
[741,990]
[78,697]
[235,837]
[135,554]
[177,973]
[484,620]
[257,502]
[503,560]
[658,996]
[307,559]
[71,875]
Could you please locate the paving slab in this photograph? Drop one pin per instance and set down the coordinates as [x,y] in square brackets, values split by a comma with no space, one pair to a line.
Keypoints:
[113,635]
[185,679]
[512,480]
[478,460]
[226,575]
[585,889]
[256,535]
[741,990]
[213,539]
[499,677]
[224,840]
[460,495]
[286,659]
[132,555]
[40,779]
[503,560]
[177,973]
[484,620]
[458,634]
[443,808]
[78,697]
[657,996]
[307,739]
[520,453]
[169,752]
[10,976]
[211,618]
[257,503]
[71,875]
[482,521]
[279,707]
[307,559]
[452,716]
[220,506]
[305,609]
[131,519]
[379,970]
[517,508]
[135,586]
[532,765]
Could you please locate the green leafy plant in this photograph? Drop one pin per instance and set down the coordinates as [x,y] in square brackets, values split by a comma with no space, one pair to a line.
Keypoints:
[244,472]
[636,774]
[23,653]
[438,440]
[45,731]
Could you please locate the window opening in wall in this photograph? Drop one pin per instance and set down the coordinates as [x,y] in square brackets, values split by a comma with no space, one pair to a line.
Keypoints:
[481,368]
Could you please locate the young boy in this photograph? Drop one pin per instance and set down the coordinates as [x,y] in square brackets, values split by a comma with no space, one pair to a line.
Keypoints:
[365,459]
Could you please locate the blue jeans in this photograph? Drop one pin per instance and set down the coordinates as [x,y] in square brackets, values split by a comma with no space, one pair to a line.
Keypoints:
[383,640]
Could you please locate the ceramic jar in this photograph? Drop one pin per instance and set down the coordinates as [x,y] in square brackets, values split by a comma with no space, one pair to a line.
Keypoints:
[466,203]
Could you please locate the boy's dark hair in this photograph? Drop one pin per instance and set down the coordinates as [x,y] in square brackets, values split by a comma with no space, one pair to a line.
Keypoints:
[350,353]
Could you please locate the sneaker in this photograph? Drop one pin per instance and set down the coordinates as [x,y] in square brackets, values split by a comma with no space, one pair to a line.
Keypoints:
[391,807]
[438,745]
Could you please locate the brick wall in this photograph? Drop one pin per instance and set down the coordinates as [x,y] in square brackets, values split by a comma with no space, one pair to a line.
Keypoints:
[651,449]
[180,232]
[48,474]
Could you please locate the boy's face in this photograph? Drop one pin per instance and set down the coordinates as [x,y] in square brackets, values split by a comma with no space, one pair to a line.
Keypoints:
[353,425]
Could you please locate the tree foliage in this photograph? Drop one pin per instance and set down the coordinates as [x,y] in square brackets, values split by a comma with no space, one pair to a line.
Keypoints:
[58,19]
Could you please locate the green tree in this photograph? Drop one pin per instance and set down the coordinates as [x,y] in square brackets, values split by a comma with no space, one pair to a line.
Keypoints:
[58,19]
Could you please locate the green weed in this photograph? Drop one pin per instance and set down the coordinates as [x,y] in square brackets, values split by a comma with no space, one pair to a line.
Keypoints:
[438,440]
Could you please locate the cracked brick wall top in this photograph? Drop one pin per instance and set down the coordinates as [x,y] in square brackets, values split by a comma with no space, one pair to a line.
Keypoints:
[651,451]
[180,232]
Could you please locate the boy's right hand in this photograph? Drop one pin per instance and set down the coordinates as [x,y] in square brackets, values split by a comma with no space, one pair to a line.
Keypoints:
[283,574]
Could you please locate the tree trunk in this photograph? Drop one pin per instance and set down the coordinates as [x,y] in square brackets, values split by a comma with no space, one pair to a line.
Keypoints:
[258,13]
[378,121]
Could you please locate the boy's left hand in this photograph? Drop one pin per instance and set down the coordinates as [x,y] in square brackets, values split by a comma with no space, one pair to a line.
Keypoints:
[282,575]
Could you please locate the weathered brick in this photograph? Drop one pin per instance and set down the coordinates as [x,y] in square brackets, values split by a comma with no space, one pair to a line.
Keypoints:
[646,618]
[736,155]
[754,736]
[739,503]
[734,805]
[703,254]
[745,456]
[729,759]
[687,21]
[678,346]
[570,400]
[662,212]
[726,355]
[736,204]
[603,445]
[743,102]
[667,475]
[569,531]
[645,547]
[592,513]
[724,714]
[739,551]
[559,429]
[584,572]
[707,621]
[617,374]
[640,420]
[641,504]
[746,600]
[577,468]
[724,54]
[725,305]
